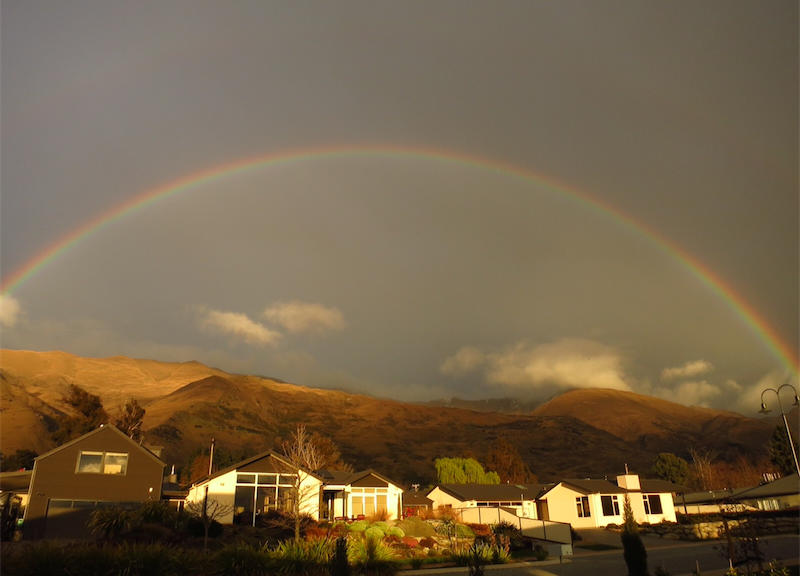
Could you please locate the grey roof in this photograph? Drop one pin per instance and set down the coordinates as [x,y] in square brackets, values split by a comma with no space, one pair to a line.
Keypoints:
[662,486]
[588,486]
[494,492]
[414,498]
[243,463]
[781,487]
[18,481]
[344,478]
[102,429]
[711,496]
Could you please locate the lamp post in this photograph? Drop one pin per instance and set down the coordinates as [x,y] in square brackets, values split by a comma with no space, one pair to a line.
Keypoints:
[765,410]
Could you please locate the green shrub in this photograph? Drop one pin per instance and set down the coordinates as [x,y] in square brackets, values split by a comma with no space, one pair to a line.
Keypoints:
[374,532]
[110,522]
[395,531]
[41,558]
[93,560]
[371,557]
[157,513]
[304,557]
[358,526]
[383,526]
[151,560]
[242,559]
[416,527]
[464,531]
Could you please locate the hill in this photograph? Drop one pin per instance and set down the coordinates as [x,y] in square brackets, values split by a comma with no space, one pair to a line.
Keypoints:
[582,433]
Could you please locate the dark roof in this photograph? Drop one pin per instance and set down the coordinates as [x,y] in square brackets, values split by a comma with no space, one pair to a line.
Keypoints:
[661,486]
[345,478]
[780,487]
[414,498]
[494,492]
[243,463]
[588,486]
[711,496]
[102,429]
[19,481]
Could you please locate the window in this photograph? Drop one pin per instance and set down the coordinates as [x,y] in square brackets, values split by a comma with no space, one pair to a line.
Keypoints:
[582,502]
[652,504]
[102,463]
[610,505]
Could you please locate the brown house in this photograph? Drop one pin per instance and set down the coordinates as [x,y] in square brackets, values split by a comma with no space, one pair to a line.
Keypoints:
[100,469]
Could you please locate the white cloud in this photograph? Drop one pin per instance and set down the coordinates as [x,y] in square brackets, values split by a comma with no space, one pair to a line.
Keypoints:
[304,317]
[568,363]
[699,393]
[468,359]
[238,326]
[10,311]
[688,370]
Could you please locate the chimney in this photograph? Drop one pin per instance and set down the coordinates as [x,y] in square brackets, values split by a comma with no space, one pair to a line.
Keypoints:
[629,481]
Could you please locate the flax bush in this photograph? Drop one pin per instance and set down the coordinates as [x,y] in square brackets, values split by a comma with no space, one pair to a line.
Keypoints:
[304,557]
[371,557]
[242,559]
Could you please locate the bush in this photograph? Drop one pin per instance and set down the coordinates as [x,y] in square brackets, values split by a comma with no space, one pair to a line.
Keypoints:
[304,558]
[395,531]
[480,530]
[428,542]
[416,527]
[151,560]
[241,559]
[515,539]
[110,522]
[157,513]
[36,559]
[372,558]
[358,526]
[410,542]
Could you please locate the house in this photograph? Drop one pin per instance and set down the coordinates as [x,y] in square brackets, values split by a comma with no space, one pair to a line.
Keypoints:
[779,494]
[359,494]
[521,498]
[416,503]
[14,490]
[102,468]
[710,501]
[597,503]
[264,482]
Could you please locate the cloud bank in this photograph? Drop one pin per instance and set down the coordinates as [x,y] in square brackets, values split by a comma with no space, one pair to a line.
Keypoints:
[293,317]
[688,370]
[566,363]
[301,317]
[10,311]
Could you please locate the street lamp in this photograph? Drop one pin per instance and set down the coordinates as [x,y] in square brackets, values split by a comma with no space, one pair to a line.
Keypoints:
[765,410]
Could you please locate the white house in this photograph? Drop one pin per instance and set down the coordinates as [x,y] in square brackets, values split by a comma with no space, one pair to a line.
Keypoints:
[521,498]
[267,481]
[359,494]
[581,503]
[597,503]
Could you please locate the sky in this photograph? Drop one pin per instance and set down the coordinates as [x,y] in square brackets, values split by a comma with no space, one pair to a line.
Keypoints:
[412,200]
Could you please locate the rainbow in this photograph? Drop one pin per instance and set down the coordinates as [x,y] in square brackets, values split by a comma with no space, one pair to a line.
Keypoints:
[783,351]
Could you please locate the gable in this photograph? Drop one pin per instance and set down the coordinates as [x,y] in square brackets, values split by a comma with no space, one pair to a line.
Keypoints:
[107,438]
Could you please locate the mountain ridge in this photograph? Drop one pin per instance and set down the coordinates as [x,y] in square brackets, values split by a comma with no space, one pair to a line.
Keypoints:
[580,433]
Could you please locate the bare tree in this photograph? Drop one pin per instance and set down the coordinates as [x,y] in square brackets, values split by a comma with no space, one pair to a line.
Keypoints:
[302,459]
[129,419]
[208,510]
[702,467]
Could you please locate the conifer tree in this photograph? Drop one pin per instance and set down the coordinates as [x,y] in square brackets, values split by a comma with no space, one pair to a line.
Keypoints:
[633,548]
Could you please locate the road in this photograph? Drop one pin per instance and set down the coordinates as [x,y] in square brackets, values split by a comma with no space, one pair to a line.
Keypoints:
[678,558]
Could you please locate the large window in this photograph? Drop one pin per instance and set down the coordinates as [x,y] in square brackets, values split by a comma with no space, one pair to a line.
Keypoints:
[652,504]
[610,505]
[258,493]
[102,463]
[582,502]
[368,501]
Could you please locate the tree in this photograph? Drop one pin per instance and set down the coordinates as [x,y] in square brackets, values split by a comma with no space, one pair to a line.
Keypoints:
[208,510]
[633,548]
[463,471]
[330,456]
[780,451]
[671,468]
[22,459]
[302,457]
[504,459]
[87,414]
[129,420]
[702,470]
